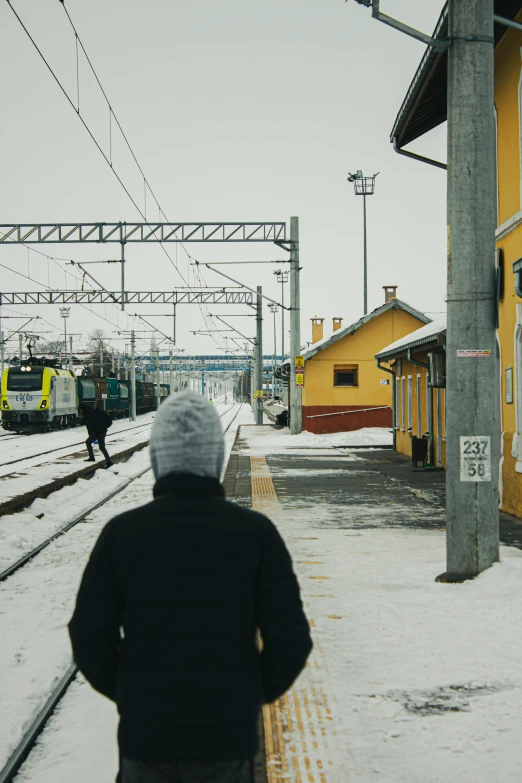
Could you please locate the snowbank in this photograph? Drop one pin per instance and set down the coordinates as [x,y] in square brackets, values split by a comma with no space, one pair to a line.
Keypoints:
[271,441]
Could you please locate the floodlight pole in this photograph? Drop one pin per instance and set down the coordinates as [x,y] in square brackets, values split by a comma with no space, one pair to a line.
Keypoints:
[364,186]
[158,394]
[296,414]
[472,385]
[365,282]
[133,378]
[123,275]
[258,361]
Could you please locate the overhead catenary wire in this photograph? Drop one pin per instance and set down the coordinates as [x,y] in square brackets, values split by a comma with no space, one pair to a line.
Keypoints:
[108,160]
[146,184]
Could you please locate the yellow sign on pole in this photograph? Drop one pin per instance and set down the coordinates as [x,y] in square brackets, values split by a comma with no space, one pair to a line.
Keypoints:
[299,363]
[299,379]
[258,394]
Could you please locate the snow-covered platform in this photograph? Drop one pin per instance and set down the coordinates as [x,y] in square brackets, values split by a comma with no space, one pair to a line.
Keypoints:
[410,680]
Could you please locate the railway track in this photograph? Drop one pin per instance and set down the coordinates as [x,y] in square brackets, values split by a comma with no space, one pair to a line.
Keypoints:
[20,754]
[70,445]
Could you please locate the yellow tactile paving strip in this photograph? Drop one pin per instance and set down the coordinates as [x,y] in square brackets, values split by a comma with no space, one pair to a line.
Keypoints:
[299,725]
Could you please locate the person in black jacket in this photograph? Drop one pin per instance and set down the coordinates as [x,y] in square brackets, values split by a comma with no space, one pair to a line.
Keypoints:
[170,606]
[97,423]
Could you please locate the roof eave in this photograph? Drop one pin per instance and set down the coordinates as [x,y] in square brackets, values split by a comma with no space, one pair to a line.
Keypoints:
[416,118]
[393,304]
[424,342]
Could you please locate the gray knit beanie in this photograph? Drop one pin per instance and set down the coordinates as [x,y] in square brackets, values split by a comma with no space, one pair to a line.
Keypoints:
[187,438]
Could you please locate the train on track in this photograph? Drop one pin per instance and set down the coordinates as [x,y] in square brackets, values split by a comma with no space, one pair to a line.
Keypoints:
[38,398]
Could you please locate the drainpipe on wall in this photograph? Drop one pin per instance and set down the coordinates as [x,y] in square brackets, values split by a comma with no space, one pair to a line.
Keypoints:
[394,401]
[430,404]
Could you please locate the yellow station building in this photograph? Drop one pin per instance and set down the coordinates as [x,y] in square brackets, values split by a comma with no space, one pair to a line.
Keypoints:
[343,388]
[423,109]
[417,364]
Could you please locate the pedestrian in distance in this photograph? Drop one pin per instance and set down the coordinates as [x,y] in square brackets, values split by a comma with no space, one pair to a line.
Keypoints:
[171,606]
[97,422]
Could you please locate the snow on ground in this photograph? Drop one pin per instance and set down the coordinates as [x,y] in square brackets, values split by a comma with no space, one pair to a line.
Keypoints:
[17,479]
[21,532]
[80,742]
[423,680]
[37,603]
[276,441]
[14,447]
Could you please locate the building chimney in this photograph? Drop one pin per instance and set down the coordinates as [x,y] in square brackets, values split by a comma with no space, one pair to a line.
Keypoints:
[390,292]
[317,329]
[336,324]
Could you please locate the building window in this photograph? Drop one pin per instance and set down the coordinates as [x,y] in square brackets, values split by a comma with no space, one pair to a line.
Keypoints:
[346,375]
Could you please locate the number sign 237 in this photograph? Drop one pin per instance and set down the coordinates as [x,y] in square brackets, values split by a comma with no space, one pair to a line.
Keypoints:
[475,458]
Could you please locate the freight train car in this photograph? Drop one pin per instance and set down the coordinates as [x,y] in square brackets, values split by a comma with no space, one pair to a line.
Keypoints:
[164,391]
[145,396]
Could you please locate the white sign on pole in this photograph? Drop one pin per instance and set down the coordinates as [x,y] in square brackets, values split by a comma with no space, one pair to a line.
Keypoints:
[475,458]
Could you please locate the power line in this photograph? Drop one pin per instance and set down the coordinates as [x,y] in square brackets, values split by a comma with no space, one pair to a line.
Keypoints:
[112,114]
[98,146]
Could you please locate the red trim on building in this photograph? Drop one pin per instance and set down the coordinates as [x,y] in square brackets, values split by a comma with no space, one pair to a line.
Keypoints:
[377,417]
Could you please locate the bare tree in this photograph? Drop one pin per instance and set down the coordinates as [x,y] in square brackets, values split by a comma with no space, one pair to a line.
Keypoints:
[100,359]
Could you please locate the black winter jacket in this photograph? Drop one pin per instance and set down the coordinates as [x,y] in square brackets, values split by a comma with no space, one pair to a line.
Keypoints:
[96,421]
[166,619]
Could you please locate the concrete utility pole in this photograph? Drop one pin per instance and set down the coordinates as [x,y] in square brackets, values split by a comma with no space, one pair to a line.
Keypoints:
[158,392]
[123,275]
[295,329]
[101,358]
[70,353]
[20,346]
[2,356]
[472,393]
[258,369]
[133,379]
[170,371]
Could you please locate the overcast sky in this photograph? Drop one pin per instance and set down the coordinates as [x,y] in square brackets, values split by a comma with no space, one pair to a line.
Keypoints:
[237,111]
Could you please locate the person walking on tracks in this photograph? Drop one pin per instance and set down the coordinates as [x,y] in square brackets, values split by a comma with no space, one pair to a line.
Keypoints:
[170,608]
[97,423]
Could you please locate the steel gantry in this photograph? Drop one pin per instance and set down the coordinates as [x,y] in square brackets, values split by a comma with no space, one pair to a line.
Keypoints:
[146,232]
[57,233]
[219,296]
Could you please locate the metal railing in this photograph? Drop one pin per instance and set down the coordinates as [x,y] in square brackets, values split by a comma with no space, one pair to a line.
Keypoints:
[342,413]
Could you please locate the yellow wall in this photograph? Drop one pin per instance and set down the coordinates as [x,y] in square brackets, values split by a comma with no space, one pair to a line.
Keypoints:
[358,349]
[402,420]
[508,71]
[507,76]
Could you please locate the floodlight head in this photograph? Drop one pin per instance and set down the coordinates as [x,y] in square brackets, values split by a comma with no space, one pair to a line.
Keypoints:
[367,3]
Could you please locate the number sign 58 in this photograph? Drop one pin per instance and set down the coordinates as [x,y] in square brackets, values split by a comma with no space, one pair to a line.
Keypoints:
[475,458]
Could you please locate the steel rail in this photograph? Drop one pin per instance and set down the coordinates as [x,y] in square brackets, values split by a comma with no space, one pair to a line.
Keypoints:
[239,406]
[70,445]
[18,757]
[21,753]
[10,570]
